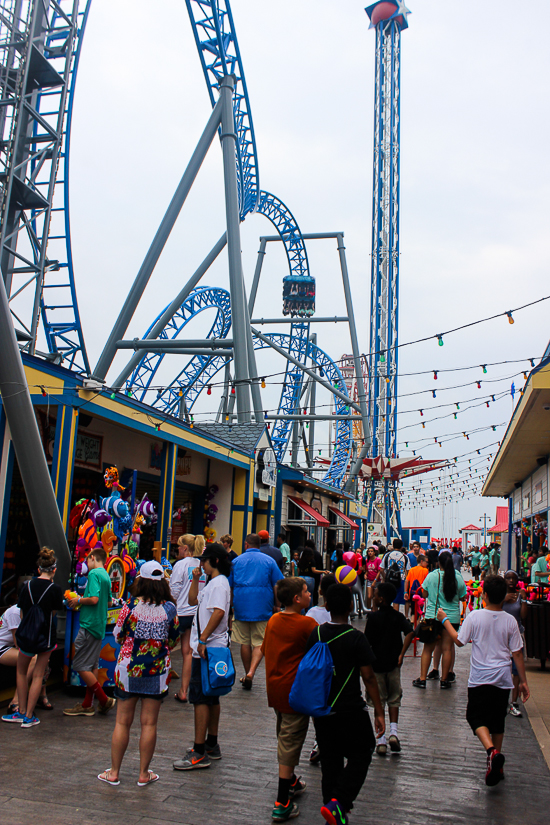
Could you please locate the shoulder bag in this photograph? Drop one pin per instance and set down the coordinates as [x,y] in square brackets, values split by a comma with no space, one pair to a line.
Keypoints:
[217,669]
[430,630]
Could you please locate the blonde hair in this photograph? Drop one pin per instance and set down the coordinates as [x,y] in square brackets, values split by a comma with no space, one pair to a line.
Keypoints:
[189,540]
[46,559]
[199,545]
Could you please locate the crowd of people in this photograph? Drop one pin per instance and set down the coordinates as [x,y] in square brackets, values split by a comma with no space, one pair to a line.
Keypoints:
[288,609]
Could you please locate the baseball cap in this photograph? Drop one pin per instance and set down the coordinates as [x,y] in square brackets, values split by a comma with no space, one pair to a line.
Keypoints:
[151,570]
[263,534]
[213,551]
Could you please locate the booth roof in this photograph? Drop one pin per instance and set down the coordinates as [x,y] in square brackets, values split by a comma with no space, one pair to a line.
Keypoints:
[244,436]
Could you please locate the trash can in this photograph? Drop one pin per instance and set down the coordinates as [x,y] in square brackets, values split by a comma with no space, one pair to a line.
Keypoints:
[537,631]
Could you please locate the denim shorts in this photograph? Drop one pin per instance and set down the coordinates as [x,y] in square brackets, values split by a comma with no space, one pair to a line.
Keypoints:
[121,694]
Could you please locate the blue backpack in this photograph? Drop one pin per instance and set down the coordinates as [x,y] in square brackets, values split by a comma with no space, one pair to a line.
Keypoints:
[310,691]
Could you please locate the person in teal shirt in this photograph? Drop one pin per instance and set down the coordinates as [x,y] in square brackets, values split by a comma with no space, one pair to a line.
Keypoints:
[93,605]
[539,570]
[284,548]
[444,587]
[484,561]
[475,559]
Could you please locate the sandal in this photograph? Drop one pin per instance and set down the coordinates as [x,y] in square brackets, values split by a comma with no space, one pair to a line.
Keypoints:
[246,682]
[153,777]
[178,698]
[104,777]
[44,703]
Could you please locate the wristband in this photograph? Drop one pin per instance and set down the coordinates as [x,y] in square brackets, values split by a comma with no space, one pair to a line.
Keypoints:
[446,619]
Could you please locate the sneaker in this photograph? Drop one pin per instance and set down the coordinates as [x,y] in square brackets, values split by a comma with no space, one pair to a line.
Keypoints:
[451,677]
[214,752]
[495,763]
[382,750]
[79,710]
[110,703]
[30,722]
[444,684]
[334,813]
[433,674]
[297,787]
[395,744]
[192,760]
[281,813]
[514,710]
[315,755]
[15,717]
[420,683]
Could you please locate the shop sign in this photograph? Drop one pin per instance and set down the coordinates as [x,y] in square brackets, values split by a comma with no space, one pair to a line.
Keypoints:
[263,494]
[272,530]
[266,472]
[88,449]
[183,467]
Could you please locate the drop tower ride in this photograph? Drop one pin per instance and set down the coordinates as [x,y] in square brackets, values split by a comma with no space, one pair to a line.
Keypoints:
[388,19]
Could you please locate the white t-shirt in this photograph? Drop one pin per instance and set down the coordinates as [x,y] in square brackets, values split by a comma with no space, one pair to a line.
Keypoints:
[494,636]
[320,614]
[9,621]
[402,562]
[180,584]
[216,594]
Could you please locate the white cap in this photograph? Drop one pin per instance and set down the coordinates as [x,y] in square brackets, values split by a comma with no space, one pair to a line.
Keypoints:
[151,570]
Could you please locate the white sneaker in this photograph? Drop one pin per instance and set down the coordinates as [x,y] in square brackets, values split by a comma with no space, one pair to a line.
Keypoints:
[514,710]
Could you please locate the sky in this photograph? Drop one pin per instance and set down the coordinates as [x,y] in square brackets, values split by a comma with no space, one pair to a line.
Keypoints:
[474,195]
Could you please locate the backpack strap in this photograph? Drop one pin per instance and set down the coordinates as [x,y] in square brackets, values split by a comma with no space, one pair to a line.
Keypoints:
[43,594]
[353,668]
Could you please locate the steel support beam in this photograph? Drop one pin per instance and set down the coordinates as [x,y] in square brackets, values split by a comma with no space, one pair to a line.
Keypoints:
[159,241]
[309,372]
[236,286]
[178,343]
[335,320]
[171,310]
[257,273]
[310,417]
[28,445]
[208,353]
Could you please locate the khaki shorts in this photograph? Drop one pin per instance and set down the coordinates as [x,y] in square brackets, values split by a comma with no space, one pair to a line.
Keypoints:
[389,687]
[291,735]
[248,633]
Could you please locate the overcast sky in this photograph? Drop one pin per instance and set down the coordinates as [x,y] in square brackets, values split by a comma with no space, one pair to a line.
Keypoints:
[474,189]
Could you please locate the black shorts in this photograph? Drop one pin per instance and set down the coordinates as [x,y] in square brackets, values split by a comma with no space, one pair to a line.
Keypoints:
[476,572]
[185,623]
[196,696]
[487,708]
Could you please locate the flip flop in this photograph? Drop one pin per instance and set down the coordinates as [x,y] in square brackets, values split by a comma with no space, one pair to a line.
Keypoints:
[179,699]
[103,778]
[43,703]
[246,683]
[153,777]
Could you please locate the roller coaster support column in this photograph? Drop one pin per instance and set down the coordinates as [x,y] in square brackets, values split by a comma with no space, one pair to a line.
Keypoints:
[28,445]
[361,394]
[252,370]
[170,311]
[257,273]
[236,285]
[311,407]
[159,241]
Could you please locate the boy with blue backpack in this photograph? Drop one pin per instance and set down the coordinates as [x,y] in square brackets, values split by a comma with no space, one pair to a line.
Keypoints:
[344,730]
[284,646]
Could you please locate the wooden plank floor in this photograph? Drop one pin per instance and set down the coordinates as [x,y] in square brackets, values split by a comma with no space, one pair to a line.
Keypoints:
[48,773]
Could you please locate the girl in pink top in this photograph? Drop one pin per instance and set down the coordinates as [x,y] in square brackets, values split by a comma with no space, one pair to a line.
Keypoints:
[372,566]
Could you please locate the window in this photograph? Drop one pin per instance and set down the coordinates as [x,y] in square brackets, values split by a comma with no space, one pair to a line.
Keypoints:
[537,493]
[526,501]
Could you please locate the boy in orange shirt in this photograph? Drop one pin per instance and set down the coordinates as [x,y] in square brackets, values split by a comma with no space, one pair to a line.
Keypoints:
[284,646]
[415,574]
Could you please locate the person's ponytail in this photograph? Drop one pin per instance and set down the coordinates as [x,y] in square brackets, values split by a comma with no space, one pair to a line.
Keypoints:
[450,588]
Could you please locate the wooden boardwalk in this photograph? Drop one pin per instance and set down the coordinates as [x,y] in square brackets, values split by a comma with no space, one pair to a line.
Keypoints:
[48,773]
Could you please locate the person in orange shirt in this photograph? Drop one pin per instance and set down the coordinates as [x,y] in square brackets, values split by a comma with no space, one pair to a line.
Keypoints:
[415,574]
[284,645]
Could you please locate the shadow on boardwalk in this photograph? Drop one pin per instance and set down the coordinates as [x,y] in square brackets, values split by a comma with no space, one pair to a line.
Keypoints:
[48,773]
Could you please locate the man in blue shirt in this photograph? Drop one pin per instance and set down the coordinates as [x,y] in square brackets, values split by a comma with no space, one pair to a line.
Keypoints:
[413,555]
[253,578]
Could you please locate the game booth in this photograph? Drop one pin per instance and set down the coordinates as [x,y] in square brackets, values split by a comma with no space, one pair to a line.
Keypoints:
[116,524]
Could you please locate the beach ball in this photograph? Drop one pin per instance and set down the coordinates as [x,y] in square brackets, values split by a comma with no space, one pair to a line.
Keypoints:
[346,575]
[350,559]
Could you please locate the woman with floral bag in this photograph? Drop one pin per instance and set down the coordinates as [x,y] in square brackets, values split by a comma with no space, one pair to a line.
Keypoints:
[147,629]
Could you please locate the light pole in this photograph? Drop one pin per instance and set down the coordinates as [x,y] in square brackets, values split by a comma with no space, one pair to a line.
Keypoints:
[484,520]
